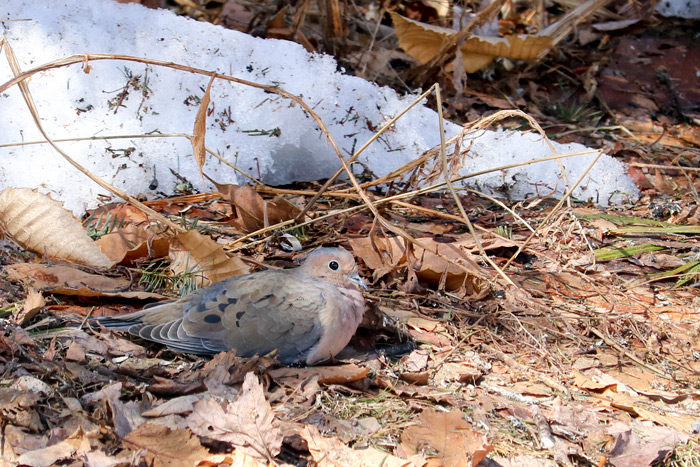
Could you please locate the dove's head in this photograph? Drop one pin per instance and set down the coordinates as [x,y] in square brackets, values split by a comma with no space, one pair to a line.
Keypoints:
[335,265]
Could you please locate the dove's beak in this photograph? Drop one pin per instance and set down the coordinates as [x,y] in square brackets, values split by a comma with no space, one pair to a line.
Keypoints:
[358,280]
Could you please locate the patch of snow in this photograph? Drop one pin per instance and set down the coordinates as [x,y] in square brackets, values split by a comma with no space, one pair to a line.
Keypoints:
[263,134]
[689,9]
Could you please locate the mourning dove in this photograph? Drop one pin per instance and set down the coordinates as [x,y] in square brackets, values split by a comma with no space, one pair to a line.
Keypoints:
[308,314]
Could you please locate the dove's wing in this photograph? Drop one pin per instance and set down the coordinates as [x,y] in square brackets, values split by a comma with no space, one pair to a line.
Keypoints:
[253,314]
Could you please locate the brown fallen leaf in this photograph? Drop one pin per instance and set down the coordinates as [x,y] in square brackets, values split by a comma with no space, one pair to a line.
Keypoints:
[642,444]
[193,252]
[165,387]
[522,461]
[100,459]
[166,447]
[17,408]
[415,361]
[530,388]
[75,353]
[118,347]
[32,305]
[346,431]
[16,442]
[42,225]
[113,214]
[247,423]
[463,372]
[412,320]
[132,242]
[423,41]
[71,281]
[330,452]
[225,369]
[340,374]
[252,211]
[126,416]
[445,439]
[77,443]
[426,264]
[596,382]
[28,383]
[182,405]
[200,128]
[681,422]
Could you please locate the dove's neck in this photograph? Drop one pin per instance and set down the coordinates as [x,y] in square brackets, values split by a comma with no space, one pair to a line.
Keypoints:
[354,296]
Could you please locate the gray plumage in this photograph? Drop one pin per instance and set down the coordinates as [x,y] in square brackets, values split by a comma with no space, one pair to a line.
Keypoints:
[308,314]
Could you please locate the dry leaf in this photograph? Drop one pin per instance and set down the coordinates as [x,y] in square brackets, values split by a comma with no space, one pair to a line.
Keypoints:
[100,459]
[415,361]
[193,251]
[77,443]
[446,439]
[463,372]
[342,374]
[252,211]
[247,423]
[345,430]
[200,129]
[75,353]
[428,266]
[522,461]
[642,444]
[32,305]
[118,213]
[42,225]
[125,245]
[180,406]
[28,383]
[423,41]
[126,416]
[70,281]
[165,446]
[16,407]
[330,452]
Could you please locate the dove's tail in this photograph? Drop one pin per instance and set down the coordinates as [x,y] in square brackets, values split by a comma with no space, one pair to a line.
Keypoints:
[124,322]
[119,323]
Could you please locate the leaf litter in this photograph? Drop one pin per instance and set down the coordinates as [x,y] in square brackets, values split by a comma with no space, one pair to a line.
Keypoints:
[566,365]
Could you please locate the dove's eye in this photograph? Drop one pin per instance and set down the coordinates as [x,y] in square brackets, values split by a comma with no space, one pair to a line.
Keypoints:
[333,265]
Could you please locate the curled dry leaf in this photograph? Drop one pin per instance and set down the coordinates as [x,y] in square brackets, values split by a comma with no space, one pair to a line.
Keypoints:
[42,225]
[132,242]
[342,374]
[182,405]
[423,41]
[71,281]
[427,265]
[252,211]
[32,305]
[193,252]
[200,129]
